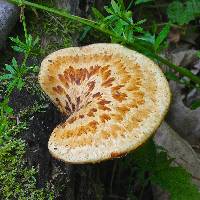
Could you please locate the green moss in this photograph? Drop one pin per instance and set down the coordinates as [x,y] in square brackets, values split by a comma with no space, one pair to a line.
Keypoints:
[16,180]
[55,32]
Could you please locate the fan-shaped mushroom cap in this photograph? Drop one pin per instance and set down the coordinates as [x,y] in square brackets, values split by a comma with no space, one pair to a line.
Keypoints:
[115,99]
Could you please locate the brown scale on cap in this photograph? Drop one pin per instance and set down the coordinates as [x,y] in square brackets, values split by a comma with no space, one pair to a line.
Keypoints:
[104,118]
[113,95]
[92,111]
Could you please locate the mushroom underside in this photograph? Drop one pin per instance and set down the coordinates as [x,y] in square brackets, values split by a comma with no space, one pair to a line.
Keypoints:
[115,99]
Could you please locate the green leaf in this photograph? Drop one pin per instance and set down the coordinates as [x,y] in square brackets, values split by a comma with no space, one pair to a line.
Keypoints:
[109,10]
[176,180]
[195,104]
[194,6]
[118,29]
[140,22]
[11,85]
[25,47]
[17,41]
[174,13]
[35,42]
[148,37]
[183,13]
[29,41]
[198,54]
[20,84]
[172,76]
[14,63]
[18,49]
[6,77]
[162,36]
[97,13]
[8,109]
[144,160]
[115,6]
[137,2]
[86,30]
[121,4]
[10,69]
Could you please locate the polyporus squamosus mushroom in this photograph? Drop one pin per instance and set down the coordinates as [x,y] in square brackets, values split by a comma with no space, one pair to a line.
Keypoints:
[115,99]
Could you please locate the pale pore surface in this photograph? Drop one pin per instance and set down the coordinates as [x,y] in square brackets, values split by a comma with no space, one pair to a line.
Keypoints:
[115,97]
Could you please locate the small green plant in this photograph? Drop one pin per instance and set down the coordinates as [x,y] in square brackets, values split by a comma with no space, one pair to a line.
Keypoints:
[182,13]
[174,179]
[26,47]
[152,165]
[14,72]
[29,46]
[15,75]
[120,21]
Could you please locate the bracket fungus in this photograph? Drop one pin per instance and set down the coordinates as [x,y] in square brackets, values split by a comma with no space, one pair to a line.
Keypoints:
[115,99]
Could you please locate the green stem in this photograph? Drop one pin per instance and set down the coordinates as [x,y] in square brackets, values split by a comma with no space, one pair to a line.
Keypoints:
[136,44]
[26,38]
[24,26]
[25,59]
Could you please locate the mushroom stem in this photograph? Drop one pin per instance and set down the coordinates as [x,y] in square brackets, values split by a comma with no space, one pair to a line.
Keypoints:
[135,44]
